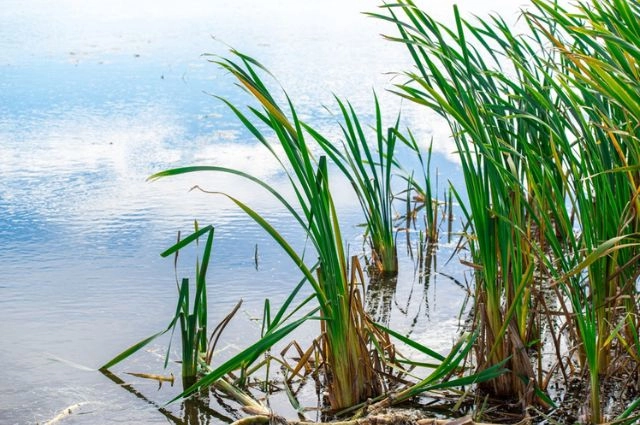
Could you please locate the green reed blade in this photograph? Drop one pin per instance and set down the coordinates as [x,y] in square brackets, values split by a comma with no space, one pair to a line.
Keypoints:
[411,343]
[186,241]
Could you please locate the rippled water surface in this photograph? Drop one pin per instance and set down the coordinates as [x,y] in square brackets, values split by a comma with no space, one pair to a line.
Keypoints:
[97,95]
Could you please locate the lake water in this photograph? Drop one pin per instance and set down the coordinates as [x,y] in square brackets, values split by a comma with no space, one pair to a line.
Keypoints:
[97,95]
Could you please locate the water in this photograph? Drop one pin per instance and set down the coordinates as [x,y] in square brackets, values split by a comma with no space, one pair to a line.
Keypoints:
[94,97]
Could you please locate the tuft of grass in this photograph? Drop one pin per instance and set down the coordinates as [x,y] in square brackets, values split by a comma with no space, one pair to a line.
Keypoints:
[351,376]
[370,176]
[598,86]
[423,188]
[197,347]
[193,321]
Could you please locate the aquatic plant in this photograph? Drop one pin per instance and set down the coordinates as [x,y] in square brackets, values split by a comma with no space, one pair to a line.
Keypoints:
[370,177]
[599,48]
[549,153]
[193,321]
[424,189]
[197,345]
[356,355]
[546,129]
[351,375]
[452,80]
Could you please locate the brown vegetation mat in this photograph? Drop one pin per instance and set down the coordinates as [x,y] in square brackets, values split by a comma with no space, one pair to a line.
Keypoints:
[378,419]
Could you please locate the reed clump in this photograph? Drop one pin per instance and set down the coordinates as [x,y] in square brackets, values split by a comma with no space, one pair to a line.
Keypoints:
[357,357]
[351,377]
[370,175]
[198,345]
[191,313]
[545,125]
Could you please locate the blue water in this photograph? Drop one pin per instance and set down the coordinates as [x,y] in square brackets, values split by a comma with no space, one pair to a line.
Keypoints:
[95,96]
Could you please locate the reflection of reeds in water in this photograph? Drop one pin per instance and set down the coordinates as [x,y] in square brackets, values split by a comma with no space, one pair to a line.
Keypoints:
[379,299]
[195,410]
[381,296]
[426,268]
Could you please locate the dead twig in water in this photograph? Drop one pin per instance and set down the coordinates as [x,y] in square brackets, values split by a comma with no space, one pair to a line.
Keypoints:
[67,411]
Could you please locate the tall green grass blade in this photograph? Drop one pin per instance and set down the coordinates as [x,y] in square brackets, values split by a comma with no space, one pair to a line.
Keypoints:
[411,343]
[186,241]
